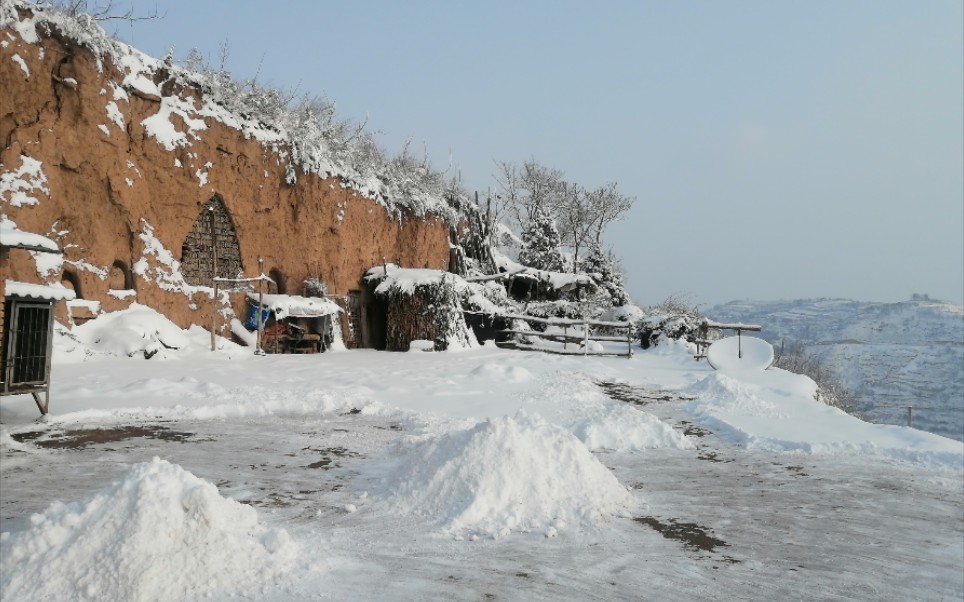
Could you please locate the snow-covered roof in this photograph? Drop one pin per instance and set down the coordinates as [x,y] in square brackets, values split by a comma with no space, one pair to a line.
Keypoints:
[15,238]
[560,281]
[285,306]
[54,292]
[407,280]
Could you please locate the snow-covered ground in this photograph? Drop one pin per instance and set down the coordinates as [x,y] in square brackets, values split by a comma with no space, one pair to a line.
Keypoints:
[479,474]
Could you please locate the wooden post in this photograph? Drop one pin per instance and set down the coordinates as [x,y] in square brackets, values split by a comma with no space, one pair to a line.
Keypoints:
[585,339]
[910,416]
[629,342]
[565,337]
[739,344]
[214,265]
[49,353]
[260,331]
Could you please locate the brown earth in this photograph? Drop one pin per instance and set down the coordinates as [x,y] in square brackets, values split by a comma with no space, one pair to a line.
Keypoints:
[296,228]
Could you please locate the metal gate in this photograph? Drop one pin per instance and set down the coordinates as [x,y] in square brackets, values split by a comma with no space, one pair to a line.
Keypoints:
[27,354]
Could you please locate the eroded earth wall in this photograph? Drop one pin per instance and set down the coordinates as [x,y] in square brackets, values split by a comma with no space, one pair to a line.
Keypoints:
[87,167]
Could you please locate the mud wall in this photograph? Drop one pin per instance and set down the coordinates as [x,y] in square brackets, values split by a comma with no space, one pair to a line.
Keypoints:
[108,182]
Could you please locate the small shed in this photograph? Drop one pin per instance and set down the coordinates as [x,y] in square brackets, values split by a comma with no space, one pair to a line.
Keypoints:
[294,324]
[420,304]
[26,321]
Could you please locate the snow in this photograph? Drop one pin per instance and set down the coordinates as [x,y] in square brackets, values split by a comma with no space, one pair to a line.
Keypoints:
[55,292]
[406,280]
[137,331]
[160,127]
[23,64]
[121,293]
[502,475]
[740,353]
[284,306]
[12,236]
[157,264]
[455,475]
[560,281]
[158,528]
[17,186]
[621,428]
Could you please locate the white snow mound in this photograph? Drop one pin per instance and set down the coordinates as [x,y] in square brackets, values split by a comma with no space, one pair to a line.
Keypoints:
[136,331]
[157,529]
[622,428]
[505,474]
[740,353]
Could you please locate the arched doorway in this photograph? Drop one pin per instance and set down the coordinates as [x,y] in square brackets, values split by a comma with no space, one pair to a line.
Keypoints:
[120,278]
[197,256]
[279,281]
[69,280]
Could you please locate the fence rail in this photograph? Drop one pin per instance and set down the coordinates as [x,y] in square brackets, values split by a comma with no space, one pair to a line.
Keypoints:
[582,335]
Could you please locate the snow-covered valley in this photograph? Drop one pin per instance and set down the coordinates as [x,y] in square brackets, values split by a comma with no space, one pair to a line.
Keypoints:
[480,474]
[889,355]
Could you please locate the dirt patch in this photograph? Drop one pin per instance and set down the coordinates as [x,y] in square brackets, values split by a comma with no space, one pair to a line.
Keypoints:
[80,438]
[712,456]
[328,456]
[692,430]
[638,395]
[691,535]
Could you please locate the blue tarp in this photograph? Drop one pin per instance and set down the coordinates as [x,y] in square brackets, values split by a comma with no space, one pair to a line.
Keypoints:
[252,322]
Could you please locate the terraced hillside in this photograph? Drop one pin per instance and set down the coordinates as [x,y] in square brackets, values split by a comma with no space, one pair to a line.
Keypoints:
[890,355]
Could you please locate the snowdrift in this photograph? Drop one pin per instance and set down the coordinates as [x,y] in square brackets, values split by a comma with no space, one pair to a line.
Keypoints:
[158,529]
[503,475]
[623,428]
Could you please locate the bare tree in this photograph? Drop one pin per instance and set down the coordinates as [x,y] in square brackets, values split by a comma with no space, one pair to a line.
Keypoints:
[99,11]
[581,215]
[528,190]
[574,218]
[607,205]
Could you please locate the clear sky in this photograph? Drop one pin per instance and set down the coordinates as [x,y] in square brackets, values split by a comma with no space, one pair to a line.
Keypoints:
[776,149]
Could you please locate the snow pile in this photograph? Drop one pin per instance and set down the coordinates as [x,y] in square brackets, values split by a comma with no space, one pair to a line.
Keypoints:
[776,410]
[740,353]
[623,428]
[502,475]
[138,330]
[493,372]
[157,529]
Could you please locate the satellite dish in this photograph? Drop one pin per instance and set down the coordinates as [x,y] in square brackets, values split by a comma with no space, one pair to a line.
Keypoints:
[740,353]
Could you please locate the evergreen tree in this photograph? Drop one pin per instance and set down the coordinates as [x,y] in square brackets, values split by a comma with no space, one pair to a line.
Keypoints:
[540,244]
[604,269]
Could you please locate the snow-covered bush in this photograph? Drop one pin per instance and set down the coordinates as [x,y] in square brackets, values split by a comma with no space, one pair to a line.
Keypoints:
[540,244]
[673,318]
[604,269]
[795,357]
[315,288]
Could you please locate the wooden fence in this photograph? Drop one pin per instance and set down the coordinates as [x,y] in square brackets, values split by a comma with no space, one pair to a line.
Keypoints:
[580,339]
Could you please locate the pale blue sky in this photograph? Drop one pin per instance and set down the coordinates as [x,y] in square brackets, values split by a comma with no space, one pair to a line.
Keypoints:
[776,149]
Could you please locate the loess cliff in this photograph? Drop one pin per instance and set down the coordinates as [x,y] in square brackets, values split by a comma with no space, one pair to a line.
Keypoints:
[121,159]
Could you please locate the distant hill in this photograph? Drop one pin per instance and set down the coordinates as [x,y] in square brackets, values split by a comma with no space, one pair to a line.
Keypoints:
[890,355]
